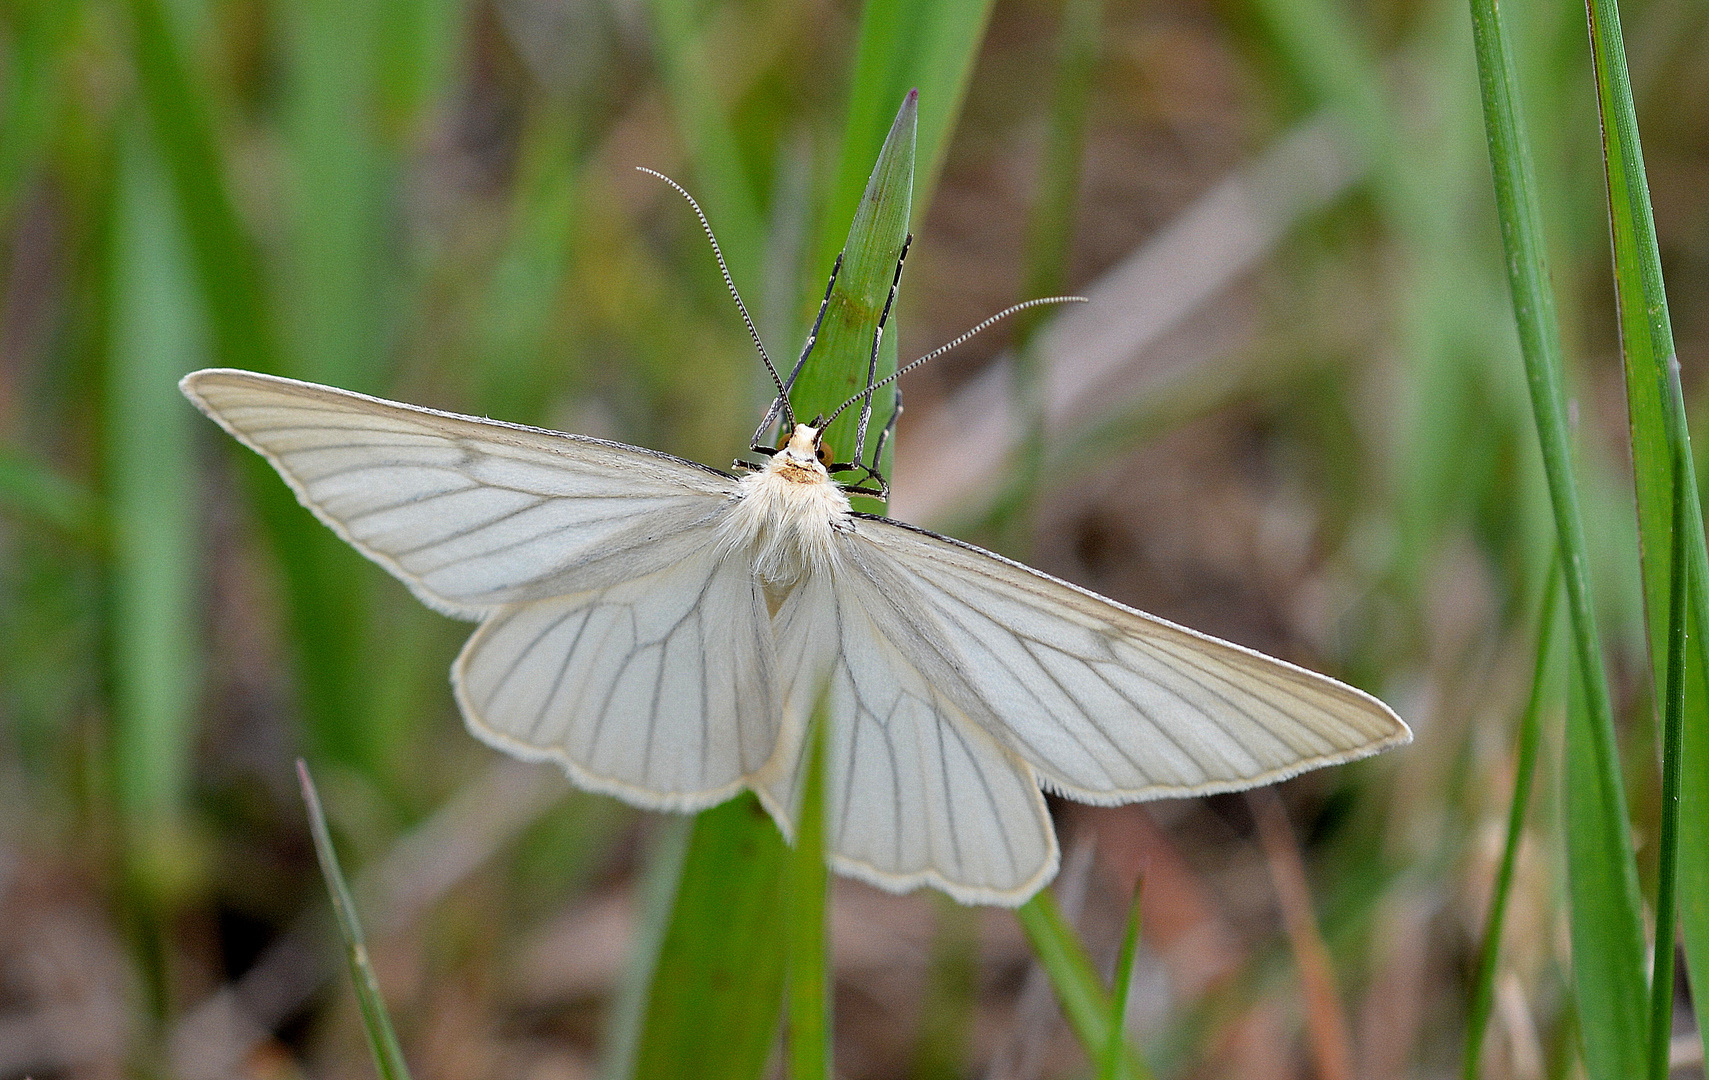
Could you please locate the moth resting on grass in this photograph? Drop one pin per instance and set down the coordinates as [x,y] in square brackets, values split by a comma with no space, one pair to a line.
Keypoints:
[664,630]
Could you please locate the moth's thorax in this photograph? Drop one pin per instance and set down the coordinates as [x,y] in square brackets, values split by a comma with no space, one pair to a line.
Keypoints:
[788,513]
[797,461]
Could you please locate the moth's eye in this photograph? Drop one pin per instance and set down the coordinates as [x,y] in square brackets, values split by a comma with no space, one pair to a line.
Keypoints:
[823,453]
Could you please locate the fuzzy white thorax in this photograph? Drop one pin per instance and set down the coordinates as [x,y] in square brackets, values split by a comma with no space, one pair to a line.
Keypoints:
[788,513]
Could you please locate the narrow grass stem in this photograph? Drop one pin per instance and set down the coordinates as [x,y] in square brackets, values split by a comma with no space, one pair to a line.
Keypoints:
[807,900]
[376,1021]
[1607,929]
[1669,510]
[1120,982]
[1530,736]
[1673,729]
[1083,999]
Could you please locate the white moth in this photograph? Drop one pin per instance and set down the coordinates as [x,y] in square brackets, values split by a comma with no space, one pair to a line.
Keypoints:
[663,630]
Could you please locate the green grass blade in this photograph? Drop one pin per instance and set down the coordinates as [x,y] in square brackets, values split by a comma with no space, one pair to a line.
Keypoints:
[1084,1002]
[1607,942]
[338,277]
[1691,863]
[321,573]
[723,927]
[1443,324]
[1673,724]
[226,266]
[808,883]
[1110,1063]
[721,968]
[335,286]
[418,45]
[1525,768]
[31,99]
[920,55]
[720,182]
[1607,928]
[903,46]
[518,370]
[155,572]
[840,362]
[1663,473]
[1051,230]
[376,1021]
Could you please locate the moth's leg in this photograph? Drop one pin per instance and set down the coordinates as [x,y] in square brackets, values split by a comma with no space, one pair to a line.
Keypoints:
[818,321]
[812,337]
[871,472]
[882,491]
[878,478]
[877,338]
[741,465]
[889,429]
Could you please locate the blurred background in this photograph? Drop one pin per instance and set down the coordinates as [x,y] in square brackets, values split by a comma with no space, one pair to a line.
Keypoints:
[1293,416]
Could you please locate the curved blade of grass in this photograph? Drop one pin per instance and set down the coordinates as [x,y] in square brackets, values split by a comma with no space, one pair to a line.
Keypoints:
[226,266]
[1525,767]
[376,1021]
[1663,471]
[1109,1065]
[1084,1002]
[337,286]
[722,966]
[1607,928]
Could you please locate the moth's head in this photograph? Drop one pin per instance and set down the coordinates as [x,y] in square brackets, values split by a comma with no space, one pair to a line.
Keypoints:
[804,451]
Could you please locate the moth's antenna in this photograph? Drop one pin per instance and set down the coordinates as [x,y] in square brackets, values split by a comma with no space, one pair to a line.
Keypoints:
[962,340]
[782,392]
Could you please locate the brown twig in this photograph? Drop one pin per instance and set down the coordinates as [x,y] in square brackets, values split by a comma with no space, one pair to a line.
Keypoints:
[1326,1023]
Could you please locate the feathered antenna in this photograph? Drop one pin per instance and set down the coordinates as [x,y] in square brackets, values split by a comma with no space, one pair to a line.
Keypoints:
[962,340]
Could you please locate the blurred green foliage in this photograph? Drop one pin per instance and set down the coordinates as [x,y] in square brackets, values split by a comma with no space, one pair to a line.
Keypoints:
[435,200]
